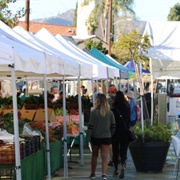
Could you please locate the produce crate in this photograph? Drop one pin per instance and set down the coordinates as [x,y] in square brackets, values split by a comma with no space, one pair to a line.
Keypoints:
[31,144]
[7,174]
[7,153]
[31,106]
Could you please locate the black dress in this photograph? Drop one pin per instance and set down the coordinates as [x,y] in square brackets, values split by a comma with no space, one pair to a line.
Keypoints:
[120,137]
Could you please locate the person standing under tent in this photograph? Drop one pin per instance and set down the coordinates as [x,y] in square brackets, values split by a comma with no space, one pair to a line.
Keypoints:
[133,108]
[170,89]
[60,95]
[100,130]
[54,92]
[111,93]
[121,110]
[83,91]
[50,98]
[95,93]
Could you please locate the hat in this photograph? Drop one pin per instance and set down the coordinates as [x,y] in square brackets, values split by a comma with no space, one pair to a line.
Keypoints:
[112,89]
[130,94]
[124,89]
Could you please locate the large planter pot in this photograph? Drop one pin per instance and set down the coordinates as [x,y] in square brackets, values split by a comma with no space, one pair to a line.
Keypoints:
[149,156]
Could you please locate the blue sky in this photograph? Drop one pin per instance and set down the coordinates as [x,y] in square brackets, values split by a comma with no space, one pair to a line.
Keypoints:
[148,10]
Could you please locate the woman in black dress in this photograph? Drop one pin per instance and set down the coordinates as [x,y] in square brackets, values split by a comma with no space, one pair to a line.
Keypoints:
[121,110]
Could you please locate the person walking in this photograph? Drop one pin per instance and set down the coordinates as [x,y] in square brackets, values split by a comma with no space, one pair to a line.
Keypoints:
[132,102]
[121,110]
[111,94]
[100,130]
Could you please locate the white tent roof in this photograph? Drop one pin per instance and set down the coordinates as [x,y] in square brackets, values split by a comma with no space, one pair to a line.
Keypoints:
[70,63]
[46,36]
[25,59]
[102,73]
[165,51]
[47,59]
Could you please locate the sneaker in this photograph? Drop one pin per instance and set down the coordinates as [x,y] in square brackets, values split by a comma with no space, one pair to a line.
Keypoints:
[110,163]
[104,177]
[121,176]
[115,173]
[92,176]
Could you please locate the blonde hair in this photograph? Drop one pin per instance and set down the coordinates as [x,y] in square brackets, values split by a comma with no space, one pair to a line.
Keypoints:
[102,104]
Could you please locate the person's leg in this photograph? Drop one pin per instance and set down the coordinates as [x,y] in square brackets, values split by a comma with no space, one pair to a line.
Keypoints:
[104,157]
[115,151]
[95,153]
[111,156]
[123,153]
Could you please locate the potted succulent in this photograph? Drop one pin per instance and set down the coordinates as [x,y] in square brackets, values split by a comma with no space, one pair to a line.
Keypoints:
[150,150]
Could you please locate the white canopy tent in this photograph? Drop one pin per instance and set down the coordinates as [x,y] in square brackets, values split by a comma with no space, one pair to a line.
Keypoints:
[71,64]
[112,71]
[165,51]
[85,68]
[30,60]
[20,59]
[47,37]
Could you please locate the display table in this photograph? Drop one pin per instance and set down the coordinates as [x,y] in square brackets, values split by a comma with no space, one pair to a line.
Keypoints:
[34,167]
[56,156]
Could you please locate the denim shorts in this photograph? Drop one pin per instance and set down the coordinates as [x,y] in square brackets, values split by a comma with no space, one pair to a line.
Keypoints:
[101,141]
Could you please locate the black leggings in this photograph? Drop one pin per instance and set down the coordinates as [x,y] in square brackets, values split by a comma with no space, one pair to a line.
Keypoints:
[119,148]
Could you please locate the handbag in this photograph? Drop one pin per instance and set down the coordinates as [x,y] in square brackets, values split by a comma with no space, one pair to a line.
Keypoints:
[132,137]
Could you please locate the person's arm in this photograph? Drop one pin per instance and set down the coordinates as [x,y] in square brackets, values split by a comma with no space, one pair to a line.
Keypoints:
[90,127]
[113,123]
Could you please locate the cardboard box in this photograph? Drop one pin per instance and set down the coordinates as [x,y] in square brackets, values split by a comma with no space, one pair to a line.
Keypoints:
[29,114]
[40,115]
[5,111]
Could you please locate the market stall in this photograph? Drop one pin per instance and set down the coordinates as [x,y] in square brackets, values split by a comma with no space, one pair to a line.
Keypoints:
[36,163]
[33,63]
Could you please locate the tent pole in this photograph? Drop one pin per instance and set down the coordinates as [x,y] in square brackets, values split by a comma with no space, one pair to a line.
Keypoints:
[92,87]
[16,126]
[152,99]
[65,132]
[80,120]
[47,129]
[46,122]
[101,86]
[119,85]
[142,93]
[107,85]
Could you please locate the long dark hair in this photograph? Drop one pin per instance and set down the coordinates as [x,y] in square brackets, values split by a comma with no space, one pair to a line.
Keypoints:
[120,101]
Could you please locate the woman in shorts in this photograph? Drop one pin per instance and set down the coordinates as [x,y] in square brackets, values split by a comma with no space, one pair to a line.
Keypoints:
[100,130]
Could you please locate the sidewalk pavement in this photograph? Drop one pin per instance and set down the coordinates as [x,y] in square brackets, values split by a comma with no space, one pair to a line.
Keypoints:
[76,171]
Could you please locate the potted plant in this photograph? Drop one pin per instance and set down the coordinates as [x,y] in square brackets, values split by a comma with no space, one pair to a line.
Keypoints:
[150,150]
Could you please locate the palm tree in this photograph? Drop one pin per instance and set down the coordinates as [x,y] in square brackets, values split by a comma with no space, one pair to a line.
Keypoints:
[102,10]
